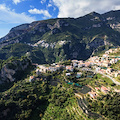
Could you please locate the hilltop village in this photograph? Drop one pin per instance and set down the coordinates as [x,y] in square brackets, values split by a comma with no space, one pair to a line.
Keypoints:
[91,80]
[94,65]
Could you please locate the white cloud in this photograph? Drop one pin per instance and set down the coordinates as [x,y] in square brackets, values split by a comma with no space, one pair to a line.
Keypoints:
[49,5]
[10,16]
[54,9]
[43,1]
[17,1]
[36,11]
[50,1]
[77,8]
[117,7]
[31,6]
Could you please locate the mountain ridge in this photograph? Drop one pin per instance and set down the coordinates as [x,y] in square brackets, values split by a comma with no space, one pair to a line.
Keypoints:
[67,38]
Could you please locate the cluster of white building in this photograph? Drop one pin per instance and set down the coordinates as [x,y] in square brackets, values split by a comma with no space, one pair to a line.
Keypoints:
[43,68]
[103,61]
[54,67]
[112,51]
[81,63]
[96,62]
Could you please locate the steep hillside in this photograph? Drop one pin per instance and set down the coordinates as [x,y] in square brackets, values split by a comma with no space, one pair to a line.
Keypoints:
[113,18]
[14,69]
[63,38]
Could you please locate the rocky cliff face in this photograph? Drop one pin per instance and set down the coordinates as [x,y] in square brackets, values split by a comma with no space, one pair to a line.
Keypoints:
[28,31]
[82,35]
[14,70]
[33,28]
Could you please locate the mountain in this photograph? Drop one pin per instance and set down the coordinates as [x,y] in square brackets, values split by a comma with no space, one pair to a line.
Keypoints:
[59,39]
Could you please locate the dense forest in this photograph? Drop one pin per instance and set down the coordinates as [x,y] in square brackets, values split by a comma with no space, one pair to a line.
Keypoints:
[29,101]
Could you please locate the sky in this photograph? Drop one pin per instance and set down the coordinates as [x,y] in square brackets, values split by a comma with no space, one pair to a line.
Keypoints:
[16,12]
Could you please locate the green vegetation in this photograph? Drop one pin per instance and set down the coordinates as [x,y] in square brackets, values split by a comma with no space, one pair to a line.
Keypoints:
[116,54]
[16,68]
[1,62]
[24,98]
[107,105]
[48,96]
[59,100]
[99,80]
[16,50]
[19,50]
[101,50]
[116,66]
[37,100]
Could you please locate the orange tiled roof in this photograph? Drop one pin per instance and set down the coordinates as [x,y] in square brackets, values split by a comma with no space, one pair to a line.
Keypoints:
[104,88]
[96,88]
[31,77]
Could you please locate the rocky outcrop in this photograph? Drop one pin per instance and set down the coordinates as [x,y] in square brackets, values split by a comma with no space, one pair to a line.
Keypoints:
[97,42]
[38,27]
[12,70]
[55,31]
[115,26]
[58,24]
[8,43]
[21,28]
[6,74]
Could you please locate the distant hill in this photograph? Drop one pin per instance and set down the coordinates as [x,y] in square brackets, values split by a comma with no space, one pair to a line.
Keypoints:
[58,39]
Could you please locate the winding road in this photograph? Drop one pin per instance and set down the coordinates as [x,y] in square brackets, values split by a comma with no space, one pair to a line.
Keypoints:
[114,81]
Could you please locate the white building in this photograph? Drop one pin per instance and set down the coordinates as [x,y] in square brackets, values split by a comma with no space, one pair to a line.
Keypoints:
[79,74]
[52,69]
[68,74]
[69,68]
[43,68]
[37,72]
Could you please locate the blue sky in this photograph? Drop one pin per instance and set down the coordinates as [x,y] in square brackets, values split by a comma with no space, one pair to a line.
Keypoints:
[16,12]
